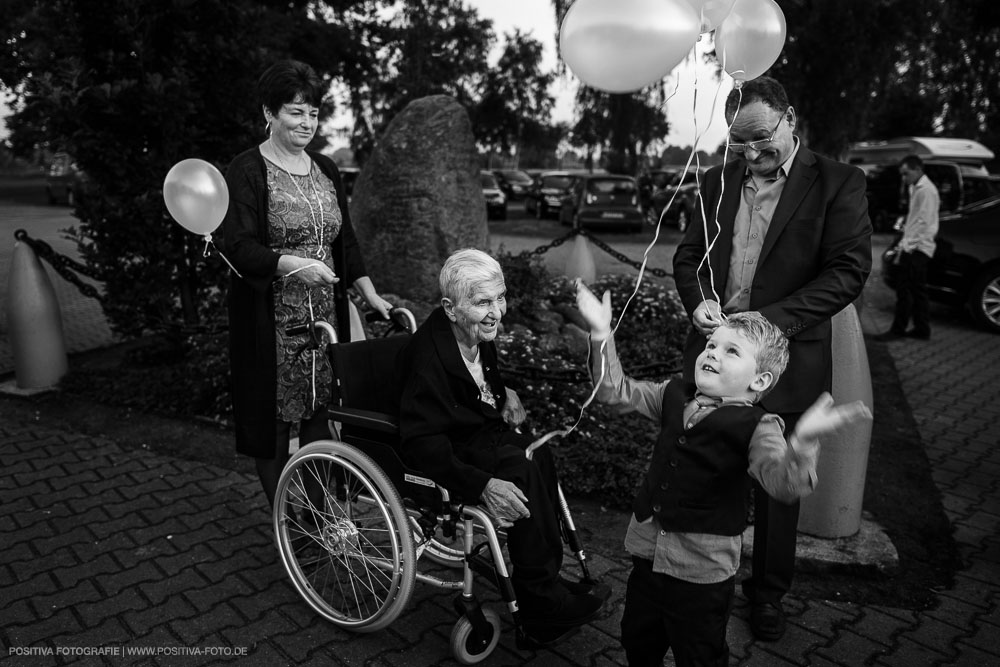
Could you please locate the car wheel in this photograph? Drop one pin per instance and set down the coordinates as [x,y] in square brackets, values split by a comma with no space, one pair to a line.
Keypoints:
[984,300]
[539,211]
[503,214]
[683,218]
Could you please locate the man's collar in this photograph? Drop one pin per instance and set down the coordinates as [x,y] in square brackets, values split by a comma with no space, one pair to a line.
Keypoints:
[786,166]
[704,400]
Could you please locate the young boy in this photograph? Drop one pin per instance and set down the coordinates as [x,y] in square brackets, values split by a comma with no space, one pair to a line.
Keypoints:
[690,510]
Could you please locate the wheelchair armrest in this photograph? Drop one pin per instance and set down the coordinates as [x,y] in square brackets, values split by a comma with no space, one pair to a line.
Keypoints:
[378,421]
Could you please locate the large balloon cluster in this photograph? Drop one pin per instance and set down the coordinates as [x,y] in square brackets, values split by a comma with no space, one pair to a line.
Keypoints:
[626,45]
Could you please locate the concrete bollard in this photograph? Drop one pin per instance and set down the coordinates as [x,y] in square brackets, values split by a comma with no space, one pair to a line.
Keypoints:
[34,322]
[581,261]
[834,508]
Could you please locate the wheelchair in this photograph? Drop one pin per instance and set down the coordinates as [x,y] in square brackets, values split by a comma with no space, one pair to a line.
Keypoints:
[352,522]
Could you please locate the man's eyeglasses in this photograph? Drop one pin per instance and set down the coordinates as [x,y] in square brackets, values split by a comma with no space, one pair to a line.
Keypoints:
[760,144]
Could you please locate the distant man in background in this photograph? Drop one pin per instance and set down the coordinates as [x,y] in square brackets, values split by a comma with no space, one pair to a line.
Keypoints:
[916,249]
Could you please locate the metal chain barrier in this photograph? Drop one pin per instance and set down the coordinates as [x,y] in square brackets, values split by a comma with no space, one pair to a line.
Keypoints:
[63,265]
[624,259]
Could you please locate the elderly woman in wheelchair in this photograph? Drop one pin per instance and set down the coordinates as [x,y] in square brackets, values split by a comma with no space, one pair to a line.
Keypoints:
[353,517]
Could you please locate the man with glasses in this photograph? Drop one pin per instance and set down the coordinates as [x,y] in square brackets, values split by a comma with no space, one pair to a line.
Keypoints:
[788,235]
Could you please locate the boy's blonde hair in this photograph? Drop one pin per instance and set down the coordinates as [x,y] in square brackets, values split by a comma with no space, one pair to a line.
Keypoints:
[771,344]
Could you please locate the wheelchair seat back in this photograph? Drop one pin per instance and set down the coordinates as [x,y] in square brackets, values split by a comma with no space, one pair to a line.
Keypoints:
[367,407]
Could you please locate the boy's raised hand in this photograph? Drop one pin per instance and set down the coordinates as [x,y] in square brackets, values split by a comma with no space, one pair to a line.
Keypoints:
[597,313]
[824,417]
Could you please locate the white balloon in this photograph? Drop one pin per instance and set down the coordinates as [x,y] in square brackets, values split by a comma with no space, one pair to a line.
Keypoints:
[750,39]
[622,46]
[196,195]
[711,12]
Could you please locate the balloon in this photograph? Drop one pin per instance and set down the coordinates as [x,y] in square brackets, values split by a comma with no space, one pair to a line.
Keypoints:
[750,39]
[711,12]
[196,195]
[626,45]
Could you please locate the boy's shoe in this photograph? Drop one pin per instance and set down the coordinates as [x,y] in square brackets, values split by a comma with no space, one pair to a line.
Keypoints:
[767,621]
[541,636]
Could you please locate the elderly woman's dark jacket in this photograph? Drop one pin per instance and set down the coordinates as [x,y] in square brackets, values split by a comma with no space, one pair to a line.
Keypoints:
[443,423]
[252,352]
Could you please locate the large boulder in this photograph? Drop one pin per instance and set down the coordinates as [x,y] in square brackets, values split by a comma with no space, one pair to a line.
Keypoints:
[419,198]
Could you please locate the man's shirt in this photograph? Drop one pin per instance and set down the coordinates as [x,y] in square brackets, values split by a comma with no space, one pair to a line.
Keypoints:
[921,226]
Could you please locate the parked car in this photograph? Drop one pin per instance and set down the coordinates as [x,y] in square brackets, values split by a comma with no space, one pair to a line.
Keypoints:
[64,180]
[515,183]
[965,270]
[955,166]
[496,200]
[959,185]
[548,192]
[685,185]
[603,200]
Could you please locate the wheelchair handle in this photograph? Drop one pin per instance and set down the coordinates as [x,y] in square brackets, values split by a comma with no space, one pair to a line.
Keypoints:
[401,318]
[316,328]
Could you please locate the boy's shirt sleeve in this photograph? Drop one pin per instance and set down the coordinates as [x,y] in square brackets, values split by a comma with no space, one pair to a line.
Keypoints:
[619,390]
[786,474]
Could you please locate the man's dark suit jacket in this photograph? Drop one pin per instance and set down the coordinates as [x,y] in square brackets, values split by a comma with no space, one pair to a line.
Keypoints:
[446,432]
[814,261]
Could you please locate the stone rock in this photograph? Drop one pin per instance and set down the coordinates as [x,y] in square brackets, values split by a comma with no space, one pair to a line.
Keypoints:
[419,198]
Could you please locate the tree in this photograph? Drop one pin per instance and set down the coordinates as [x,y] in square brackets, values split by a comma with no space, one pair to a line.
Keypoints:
[429,47]
[622,125]
[515,105]
[130,87]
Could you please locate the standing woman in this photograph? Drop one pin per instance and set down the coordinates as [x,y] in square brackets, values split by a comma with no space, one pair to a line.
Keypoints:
[288,235]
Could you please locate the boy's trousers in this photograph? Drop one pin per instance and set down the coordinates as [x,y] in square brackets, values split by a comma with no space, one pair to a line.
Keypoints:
[663,612]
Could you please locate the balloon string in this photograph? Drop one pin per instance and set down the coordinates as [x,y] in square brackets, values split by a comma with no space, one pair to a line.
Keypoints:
[210,242]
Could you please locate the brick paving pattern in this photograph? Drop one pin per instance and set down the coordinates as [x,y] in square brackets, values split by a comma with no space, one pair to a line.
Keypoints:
[107,547]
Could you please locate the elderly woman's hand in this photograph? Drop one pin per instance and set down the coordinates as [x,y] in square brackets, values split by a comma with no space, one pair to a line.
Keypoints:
[505,501]
[597,313]
[513,411]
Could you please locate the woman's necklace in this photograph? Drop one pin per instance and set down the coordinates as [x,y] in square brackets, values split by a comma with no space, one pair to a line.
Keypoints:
[317,224]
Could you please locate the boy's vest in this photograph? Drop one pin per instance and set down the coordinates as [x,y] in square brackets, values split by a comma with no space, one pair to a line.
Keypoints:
[697,481]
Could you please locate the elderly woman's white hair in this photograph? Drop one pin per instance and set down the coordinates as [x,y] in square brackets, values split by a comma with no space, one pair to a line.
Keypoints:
[464,271]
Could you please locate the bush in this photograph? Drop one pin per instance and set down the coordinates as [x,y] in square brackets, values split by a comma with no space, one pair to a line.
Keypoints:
[605,455]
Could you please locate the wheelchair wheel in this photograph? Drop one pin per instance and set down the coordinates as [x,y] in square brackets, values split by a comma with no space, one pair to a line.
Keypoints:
[344,536]
[469,649]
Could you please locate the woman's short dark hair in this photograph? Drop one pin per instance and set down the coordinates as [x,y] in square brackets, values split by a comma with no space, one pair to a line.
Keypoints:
[286,80]
[762,89]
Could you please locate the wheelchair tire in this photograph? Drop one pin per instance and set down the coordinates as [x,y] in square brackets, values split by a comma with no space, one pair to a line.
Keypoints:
[463,643]
[344,536]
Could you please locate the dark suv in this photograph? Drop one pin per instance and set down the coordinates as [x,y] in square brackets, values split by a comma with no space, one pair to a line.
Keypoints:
[548,192]
[958,184]
[965,270]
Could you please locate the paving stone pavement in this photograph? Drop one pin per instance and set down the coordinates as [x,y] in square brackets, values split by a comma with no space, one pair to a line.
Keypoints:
[107,549]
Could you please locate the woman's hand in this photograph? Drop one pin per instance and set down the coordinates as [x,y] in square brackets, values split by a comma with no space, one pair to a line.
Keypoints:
[597,313]
[312,272]
[513,411]
[707,317]
[375,302]
[505,502]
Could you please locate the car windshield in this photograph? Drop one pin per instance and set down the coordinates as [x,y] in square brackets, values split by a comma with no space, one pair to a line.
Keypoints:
[608,186]
[560,182]
[488,181]
[516,176]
